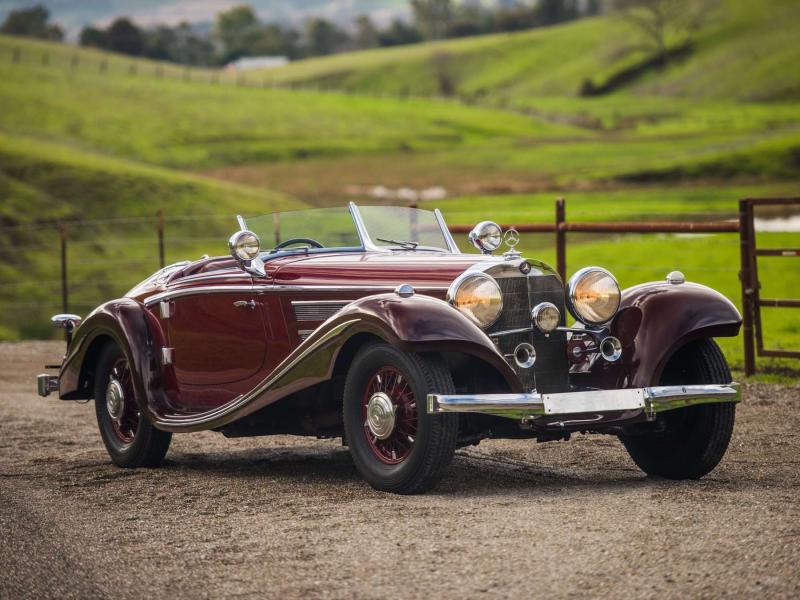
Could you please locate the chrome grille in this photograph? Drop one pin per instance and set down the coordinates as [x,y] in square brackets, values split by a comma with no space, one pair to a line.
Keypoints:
[520,294]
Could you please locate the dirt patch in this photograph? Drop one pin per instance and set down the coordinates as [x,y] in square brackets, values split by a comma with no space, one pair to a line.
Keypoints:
[289,517]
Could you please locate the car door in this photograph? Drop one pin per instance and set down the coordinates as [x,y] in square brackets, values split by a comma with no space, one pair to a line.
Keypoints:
[217,337]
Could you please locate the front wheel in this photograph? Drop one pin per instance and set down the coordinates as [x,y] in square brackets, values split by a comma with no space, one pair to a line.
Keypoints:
[130,439]
[692,440]
[395,444]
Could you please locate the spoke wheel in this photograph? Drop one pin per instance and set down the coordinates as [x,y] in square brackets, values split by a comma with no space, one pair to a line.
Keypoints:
[395,444]
[389,411]
[120,402]
[128,435]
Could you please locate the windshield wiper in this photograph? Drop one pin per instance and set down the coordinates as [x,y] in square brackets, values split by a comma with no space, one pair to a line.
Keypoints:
[402,244]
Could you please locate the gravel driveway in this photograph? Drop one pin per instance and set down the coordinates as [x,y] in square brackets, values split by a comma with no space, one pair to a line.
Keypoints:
[287,517]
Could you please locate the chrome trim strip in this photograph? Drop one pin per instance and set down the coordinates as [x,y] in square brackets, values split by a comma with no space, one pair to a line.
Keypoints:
[224,414]
[263,288]
[201,289]
[649,399]
[448,237]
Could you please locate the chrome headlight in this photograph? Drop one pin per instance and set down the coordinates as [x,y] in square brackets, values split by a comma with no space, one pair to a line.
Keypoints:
[486,236]
[244,245]
[593,296]
[477,296]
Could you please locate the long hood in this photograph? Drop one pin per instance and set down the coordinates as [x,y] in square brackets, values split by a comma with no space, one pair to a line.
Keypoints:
[417,268]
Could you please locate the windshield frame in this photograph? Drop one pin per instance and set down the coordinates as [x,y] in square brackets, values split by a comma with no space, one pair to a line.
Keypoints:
[367,243]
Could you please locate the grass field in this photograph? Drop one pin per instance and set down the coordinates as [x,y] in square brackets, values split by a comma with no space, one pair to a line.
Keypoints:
[86,135]
[749,47]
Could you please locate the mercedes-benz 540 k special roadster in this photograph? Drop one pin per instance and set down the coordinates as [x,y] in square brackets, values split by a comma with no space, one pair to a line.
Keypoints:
[368,324]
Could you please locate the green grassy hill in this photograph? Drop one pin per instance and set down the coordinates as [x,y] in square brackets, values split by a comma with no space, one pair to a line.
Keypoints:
[103,141]
[747,51]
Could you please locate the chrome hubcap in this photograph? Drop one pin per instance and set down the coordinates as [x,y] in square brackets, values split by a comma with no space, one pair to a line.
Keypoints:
[380,415]
[115,400]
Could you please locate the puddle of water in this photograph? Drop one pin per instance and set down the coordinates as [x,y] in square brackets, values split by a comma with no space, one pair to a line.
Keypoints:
[778,224]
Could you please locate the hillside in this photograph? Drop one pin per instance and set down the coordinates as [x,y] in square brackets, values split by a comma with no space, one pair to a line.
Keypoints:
[746,51]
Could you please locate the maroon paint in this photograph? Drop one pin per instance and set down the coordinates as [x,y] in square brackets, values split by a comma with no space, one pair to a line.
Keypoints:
[223,352]
[125,430]
[394,449]
[654,321]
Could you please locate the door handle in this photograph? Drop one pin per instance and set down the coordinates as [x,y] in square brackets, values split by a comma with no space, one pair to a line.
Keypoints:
[245,304]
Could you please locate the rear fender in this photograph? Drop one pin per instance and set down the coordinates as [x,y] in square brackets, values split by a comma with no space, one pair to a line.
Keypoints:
[654,321]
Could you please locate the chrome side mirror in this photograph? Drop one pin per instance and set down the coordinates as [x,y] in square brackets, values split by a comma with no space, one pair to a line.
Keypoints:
[245,247]
[68,323]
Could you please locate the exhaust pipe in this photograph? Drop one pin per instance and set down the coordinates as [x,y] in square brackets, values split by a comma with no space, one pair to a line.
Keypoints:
[611,349]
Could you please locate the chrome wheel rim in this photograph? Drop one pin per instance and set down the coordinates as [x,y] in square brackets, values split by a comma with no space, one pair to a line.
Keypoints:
[380,415]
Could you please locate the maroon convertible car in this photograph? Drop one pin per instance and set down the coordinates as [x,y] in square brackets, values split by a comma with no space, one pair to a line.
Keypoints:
[368,324]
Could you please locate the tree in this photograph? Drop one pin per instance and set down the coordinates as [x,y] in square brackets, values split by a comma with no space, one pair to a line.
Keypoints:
[125,37]
[432,17]
[323,37]
[550,12]
[93,36]
[31,22]
[399,33]
[659,20]
[238,29]
[366,35]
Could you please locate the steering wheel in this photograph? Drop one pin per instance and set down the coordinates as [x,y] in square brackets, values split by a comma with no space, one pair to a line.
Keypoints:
[293,241]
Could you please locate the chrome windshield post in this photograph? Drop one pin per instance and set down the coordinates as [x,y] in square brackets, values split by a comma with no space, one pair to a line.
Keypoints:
[361,228]
[448,237]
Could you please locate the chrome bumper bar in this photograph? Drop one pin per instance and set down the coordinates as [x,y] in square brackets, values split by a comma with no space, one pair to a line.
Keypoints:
[651,400]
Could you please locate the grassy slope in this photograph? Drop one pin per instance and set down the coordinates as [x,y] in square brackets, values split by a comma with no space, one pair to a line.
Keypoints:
[756,38]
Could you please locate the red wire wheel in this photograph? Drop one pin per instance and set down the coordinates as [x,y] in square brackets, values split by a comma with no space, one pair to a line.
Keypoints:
[389,415]
[121,404]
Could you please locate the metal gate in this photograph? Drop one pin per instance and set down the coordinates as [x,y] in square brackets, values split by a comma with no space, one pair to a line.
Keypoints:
[752,302]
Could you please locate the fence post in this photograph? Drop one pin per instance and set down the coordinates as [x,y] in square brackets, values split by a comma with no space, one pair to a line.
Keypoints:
[15,54]
[64,289]
[45,59]
[746,277]
[160,229]
[74,62]
[561,239]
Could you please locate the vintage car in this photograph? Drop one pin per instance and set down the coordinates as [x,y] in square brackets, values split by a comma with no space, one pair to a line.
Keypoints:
[370,325]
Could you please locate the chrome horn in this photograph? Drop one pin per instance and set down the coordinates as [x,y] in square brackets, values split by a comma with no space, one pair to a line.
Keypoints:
[611,348]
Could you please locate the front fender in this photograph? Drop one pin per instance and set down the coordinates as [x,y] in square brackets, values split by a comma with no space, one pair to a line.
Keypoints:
[137,332]
[424,324]
[654,321]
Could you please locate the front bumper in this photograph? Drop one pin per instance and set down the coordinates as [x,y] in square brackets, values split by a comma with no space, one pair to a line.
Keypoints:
[650,400]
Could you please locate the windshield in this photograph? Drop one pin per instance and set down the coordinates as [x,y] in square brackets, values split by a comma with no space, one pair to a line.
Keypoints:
[374,227]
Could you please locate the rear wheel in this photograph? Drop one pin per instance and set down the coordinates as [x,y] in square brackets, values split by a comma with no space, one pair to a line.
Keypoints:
[395,444]
[130,439]
[693,439]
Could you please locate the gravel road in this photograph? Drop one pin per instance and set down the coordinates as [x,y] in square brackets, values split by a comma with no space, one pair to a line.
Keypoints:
[287,517]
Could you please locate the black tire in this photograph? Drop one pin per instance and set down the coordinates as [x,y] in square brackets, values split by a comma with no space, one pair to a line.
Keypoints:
[138,443]
[694,439]
[434,438]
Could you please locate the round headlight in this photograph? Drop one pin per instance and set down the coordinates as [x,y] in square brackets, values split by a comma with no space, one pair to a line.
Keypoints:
[486,236]
[593,296]
[244,245]
[546,316]
[477,296]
